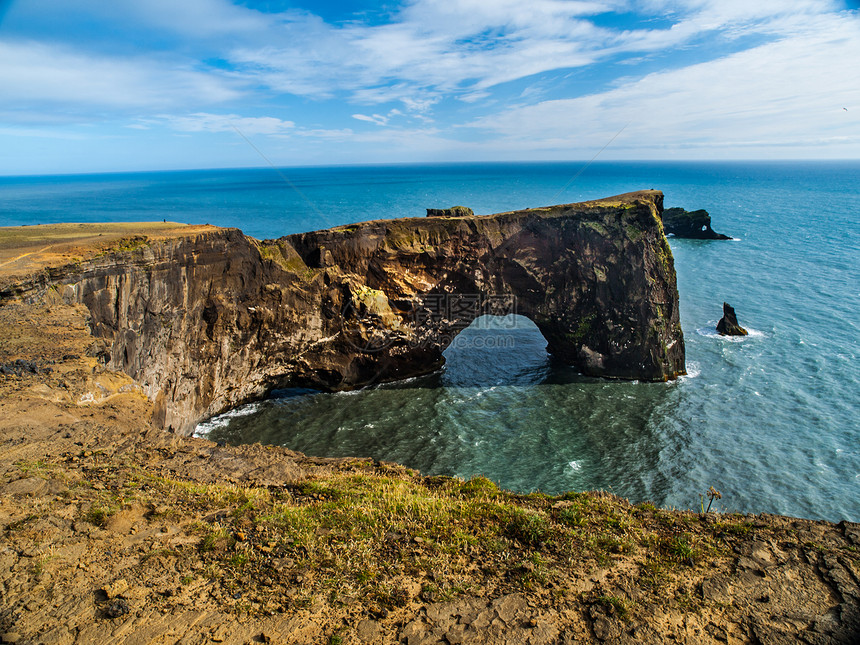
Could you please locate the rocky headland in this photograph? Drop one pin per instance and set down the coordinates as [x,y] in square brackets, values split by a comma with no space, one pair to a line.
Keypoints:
[116,530]
[212,319]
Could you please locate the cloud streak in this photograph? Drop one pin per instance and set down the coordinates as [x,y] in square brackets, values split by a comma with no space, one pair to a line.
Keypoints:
[789,92]
[36,73]
[437,79]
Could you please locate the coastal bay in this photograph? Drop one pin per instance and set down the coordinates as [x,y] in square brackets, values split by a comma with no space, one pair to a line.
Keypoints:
[115,527]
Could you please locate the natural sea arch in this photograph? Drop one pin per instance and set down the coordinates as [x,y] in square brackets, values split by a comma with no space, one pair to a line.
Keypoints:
[497,350]
[501,407]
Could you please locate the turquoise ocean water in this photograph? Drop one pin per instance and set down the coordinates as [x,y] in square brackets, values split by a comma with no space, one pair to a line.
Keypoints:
[771,420]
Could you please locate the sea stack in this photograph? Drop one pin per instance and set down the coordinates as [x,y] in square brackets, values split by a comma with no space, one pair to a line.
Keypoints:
[728,325]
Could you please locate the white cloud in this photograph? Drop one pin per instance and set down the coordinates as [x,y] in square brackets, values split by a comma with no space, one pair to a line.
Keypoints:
[435,48]
[378,119]
[205,63]
[31,73]
[789,92]
[429,49]
[41,133]
[188,18]
[204,122]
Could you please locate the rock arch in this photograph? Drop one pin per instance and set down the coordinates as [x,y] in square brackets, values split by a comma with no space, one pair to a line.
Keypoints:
[215,319]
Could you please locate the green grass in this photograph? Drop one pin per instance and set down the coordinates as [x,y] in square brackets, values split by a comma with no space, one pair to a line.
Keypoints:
[356,532]
[614,604]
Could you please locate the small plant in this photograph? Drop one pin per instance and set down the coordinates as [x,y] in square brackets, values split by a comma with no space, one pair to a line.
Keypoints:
[99,515]
[603,544]
[571,516]
[712,494]
[479,487]
[217,539]
[529,528]
[616,605]
[365,575]
[740,528]
[239,559]
[681,549]
[40,562]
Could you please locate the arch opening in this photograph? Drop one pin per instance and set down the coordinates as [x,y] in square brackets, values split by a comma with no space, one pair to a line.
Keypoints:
[497,350]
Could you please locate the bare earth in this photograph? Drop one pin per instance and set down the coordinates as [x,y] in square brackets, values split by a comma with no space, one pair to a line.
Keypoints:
[112,531]
[27,249]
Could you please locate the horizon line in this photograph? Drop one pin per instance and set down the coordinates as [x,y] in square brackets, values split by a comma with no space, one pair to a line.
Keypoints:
[433,163]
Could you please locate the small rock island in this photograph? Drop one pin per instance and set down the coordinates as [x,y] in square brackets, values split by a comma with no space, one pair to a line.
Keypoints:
[694,225]
[728,325]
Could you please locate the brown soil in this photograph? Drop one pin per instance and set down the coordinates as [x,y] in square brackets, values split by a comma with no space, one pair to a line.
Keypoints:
[116,532]
[27,249]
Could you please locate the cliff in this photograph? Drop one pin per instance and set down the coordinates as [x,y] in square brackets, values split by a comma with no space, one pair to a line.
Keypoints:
[209,320]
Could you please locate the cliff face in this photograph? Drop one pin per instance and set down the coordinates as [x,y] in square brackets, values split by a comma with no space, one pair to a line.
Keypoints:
[211,320]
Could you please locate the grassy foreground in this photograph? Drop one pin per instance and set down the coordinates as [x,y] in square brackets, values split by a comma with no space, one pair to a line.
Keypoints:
[364,533]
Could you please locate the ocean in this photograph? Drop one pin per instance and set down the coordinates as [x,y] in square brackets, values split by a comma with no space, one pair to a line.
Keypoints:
[771,420]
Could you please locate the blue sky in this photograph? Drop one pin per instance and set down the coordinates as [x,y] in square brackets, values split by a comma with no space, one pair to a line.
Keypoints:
[89,85]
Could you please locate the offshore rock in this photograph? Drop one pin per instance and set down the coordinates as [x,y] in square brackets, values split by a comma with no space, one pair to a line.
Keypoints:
[454,211]
[728,325]
[210,320]
[690,224]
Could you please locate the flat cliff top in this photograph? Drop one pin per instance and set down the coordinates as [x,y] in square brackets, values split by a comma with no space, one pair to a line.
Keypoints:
[588,208]
[25,250]
[654,197]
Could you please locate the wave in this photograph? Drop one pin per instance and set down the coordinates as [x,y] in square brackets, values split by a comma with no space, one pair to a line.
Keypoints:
[693,370]
[204,428]
[711,332]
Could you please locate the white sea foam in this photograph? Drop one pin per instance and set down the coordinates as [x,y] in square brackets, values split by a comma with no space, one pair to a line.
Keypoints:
[575,465]
[711,332]
[693,370]
[204,428]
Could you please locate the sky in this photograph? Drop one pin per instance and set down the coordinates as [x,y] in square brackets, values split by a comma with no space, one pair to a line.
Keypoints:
[95,86]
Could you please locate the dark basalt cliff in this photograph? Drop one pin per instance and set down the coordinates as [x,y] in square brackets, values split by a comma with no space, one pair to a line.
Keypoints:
[211,320]
[691,224]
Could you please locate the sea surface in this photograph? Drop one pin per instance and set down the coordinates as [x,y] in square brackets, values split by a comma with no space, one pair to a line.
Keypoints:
[771,420]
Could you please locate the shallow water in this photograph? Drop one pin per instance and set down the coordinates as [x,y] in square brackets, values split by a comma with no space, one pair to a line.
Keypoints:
[770,420]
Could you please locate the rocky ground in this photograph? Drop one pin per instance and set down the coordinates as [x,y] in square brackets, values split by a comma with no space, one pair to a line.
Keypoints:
[112,531]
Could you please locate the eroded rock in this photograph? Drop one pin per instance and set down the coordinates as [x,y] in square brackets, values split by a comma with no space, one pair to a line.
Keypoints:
[454,211]
[728,325]
[214,319]
[690,224]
